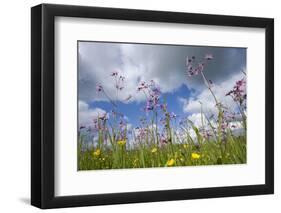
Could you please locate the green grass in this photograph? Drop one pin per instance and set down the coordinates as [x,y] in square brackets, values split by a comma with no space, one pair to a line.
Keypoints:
[233,151]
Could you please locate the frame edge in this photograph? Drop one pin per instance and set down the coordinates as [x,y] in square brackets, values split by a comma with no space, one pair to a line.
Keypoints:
[269,117]
[42,116]
[36,85]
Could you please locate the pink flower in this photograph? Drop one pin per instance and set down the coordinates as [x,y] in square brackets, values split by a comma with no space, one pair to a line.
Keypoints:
[193,68]
[103,117]
[238,93]
[200,67]
[209,57]
[163,107]
[99,88]
[115,73]
[173,115]
[82,127]
[122,78]
[163,140]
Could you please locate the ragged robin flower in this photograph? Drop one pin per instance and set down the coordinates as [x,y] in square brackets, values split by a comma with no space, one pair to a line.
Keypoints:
[99,88]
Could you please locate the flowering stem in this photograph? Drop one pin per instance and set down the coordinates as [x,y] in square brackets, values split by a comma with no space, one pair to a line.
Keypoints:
[111,101]
[157,139]
[244,117]
[220,112]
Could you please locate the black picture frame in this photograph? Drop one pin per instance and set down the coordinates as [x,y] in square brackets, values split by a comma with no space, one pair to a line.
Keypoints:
[43,102]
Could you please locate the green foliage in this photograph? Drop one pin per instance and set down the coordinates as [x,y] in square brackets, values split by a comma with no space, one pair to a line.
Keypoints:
[171,154]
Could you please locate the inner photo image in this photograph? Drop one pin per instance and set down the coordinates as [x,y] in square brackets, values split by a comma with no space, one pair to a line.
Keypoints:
[160,105]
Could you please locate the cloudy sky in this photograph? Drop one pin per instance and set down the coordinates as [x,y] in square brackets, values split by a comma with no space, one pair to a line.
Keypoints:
[166,65]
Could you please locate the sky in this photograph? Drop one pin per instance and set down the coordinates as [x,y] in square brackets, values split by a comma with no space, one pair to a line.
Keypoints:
[166,66]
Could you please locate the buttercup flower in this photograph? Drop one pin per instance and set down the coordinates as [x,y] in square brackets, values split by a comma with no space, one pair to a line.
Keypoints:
[97,153]
[195,155]
[154,150]
[171,162]
[121,142]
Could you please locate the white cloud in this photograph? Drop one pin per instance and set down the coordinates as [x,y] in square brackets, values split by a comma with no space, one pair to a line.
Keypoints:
[86,114]
[165,64]
[236,125]
[83,106]
[193,105]
[197,119]
[129,126]
[136,63]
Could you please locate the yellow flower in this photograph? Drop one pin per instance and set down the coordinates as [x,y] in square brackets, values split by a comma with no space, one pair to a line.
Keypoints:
[154,150]
[171,162]
[97,153]
[121,142]
[195,156]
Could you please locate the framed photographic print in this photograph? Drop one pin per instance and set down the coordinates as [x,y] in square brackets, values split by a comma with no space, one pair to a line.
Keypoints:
[139,106]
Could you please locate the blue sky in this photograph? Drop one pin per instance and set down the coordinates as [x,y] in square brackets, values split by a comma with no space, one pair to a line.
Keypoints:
[165,65]
[134,110]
